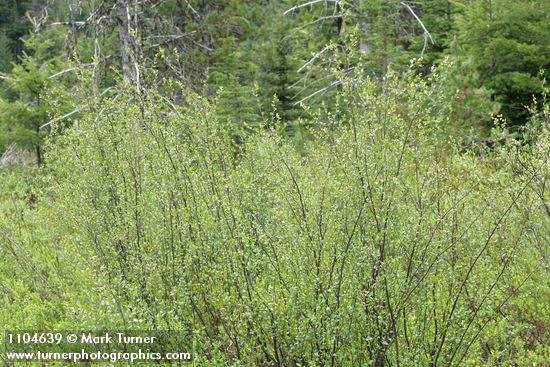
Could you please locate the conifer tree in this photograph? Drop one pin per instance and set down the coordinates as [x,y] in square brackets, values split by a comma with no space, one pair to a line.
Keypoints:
[507,44]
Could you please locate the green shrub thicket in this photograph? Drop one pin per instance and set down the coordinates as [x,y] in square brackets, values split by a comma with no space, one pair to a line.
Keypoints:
[43,283]
[377,244]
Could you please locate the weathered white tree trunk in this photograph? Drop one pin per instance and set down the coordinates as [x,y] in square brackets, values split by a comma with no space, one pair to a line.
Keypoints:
[364,26]
[128,50]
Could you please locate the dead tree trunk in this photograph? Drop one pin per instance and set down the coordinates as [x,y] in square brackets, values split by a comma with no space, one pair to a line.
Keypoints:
[128,49]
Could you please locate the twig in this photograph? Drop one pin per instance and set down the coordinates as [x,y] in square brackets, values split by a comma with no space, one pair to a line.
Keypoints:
[70,113]
[61,118]
[71,23]
[315,2]
[320,19]
[69,70]
[322,90]
[426,32]
[193,10]
[315,57]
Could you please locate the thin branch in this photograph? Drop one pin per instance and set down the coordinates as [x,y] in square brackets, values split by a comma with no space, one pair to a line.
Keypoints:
[426,32]
[193,10]
[95,12]
[171,36]
[315,57]
[71,23]
[61,118]
[320,19]
[315,2]
[70,113]
[322,90]
[306,86]
[69,70]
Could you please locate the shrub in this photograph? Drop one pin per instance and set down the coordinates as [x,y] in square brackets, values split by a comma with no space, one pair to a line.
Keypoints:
[379,245]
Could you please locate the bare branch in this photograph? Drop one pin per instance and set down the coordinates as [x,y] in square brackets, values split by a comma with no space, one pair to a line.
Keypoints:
[193,10]
[70,113]
[175,37]
[70,69]
[320,19]
[306,86]
[322,90]
[72,23]
[61,117]
[315,57]
[426,32]
[315,2]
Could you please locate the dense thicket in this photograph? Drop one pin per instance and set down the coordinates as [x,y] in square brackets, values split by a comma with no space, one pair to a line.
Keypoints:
[279,182]
[378,244]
